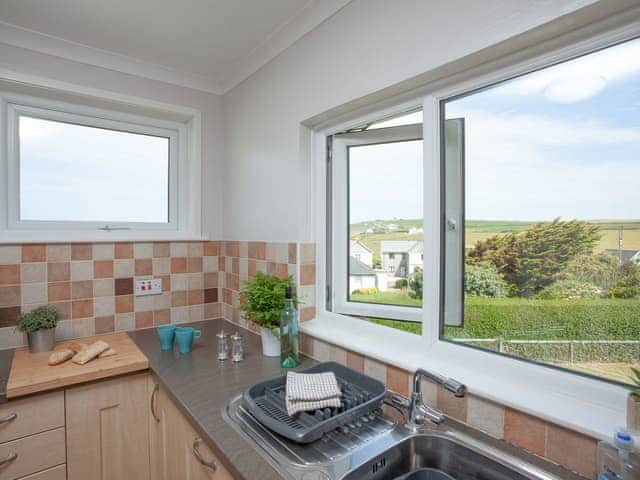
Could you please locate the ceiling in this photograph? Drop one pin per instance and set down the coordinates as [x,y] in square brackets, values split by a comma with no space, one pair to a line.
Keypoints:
[209,45]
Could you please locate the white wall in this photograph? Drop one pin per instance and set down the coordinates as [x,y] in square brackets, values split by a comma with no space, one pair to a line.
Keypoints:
[29,62]
[366,46]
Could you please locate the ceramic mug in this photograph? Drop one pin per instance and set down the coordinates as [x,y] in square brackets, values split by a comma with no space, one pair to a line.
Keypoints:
[185,337]
[166,334]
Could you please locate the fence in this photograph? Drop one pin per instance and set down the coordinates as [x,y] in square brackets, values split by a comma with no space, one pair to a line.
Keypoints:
[572,351]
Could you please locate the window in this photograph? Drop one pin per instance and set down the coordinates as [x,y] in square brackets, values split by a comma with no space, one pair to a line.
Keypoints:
[542,220]
[76,171]
[377,206]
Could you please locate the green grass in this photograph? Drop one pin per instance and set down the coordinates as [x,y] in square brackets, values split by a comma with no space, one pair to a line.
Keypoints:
[392,297]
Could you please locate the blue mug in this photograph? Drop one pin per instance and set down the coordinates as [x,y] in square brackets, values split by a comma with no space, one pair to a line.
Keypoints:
[185,337]
[166,334]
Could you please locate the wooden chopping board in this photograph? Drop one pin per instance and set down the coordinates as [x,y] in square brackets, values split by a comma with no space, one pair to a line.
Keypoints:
[30,372]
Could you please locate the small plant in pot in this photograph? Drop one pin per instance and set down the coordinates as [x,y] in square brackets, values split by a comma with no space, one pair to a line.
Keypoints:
[40,325]
[261,300]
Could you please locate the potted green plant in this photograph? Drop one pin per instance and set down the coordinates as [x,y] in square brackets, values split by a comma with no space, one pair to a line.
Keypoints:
[40,325]
[261,301]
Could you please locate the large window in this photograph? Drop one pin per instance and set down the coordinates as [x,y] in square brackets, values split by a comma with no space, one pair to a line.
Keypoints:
[541,231]
[75,171]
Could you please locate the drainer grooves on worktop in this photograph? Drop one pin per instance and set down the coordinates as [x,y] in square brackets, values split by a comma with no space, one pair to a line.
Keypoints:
[360,395]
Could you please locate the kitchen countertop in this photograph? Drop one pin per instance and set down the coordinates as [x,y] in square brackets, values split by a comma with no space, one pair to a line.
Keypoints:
[201,387]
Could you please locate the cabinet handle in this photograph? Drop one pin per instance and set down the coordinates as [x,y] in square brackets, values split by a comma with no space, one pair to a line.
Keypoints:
[8,418]
[10,458]
[153,402]
[210,464]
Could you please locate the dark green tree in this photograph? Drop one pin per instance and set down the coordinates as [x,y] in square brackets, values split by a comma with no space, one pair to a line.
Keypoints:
[530,260]
[415,285]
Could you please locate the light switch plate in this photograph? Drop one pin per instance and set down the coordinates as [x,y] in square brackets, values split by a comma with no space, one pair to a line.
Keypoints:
[148,287]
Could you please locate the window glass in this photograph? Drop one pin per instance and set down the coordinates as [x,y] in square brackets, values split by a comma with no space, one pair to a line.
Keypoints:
[81,173]
[551,235]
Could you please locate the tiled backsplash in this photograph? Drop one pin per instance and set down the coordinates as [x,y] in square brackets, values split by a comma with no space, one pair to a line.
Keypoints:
[91,285]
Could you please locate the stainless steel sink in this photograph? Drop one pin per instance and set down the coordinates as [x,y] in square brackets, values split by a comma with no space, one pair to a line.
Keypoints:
[377,448]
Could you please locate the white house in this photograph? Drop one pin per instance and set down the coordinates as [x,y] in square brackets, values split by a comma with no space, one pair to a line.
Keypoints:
[361,252]
[625,255]
[361,275]
[401,257]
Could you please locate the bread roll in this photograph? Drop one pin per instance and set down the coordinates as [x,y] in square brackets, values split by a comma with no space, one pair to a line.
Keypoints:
[108,353]
[77,346]
[91,352]
[60,356]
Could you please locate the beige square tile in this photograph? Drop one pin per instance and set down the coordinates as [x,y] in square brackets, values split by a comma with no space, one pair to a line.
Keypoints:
[228,267]
[179,314]
[82,270]
[144,303]
[125,322]
[34,272]
[486,416]
[282,253]
[34,293]
[338,354]
[64,330]
[11,338]
[58,253]
[103,251]
[194,249]
[307,295]
[179,249]
[210,264]
[429,392]
[375,369]
[244,269]
[196,313]
[161,266]
[142,250]
[123,268]
[104,306]
[195,281]
[10,254]
[103,287]
[270,252]
[162,301]
[321,350]
[261,266]
[179,282]
[161,249]
[83,327]
[307,253]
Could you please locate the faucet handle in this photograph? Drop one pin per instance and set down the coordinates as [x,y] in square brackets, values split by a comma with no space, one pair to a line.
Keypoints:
[399,401]
[455,387]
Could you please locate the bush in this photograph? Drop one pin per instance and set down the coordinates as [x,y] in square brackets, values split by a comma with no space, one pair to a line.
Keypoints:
[484,281]
[42,318]
[365,291]
[569,289]
[402,283]
[599,269]
[621,291]
[415,284]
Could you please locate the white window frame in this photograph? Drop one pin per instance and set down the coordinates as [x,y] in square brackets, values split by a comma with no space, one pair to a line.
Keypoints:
[339,229]
[584,404]
[182,129]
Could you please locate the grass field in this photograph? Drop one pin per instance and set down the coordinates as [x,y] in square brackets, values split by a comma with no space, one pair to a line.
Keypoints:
[392,297]
[483,229]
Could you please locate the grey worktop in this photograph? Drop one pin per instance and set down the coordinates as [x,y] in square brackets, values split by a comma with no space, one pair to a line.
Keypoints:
[6,357]
[201,386]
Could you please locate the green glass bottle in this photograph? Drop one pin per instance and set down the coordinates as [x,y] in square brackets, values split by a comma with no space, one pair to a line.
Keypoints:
[289,357]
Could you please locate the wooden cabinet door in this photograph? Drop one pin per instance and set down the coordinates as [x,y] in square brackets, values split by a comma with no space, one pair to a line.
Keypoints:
[108,430]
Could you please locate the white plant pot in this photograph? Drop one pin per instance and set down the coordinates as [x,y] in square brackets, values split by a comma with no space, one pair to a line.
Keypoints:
[270,343]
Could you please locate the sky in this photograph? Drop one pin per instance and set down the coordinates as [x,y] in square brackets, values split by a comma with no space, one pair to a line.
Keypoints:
[78,173]
[560,142]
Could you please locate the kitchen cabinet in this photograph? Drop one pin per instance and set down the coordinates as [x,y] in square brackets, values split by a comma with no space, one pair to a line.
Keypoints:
[108,429]
[176,450]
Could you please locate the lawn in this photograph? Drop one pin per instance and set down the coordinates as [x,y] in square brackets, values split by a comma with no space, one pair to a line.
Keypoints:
[392,297]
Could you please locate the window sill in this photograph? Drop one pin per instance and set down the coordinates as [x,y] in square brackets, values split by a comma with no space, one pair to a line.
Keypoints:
[91,236]
[586,405]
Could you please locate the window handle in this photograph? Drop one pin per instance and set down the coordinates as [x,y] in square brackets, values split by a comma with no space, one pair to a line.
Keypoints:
[111,228]
[452,224]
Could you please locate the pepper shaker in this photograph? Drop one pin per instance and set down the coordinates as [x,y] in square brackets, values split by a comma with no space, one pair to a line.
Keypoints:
[237,350]
[223,347]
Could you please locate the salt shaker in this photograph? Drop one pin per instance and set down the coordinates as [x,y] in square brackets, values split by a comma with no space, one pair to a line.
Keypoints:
[223,347]
[237,350]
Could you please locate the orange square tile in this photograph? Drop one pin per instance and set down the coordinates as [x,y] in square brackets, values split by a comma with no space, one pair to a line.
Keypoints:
[572,450]
[178,265]
[105,324]
[293,253]
[178,299]
[453,406]
[9,316]
[194,264]
[124,304]
[166,282]
[144,319]
[103,268]
[222,264]
[58,271]
[356,362]
[397,379]
[144,267]
[124,250]
[307,313]
[59,291]
[282,271]
[210,279]
[162,317]
[82,308]
[210,249]
[235,266]
[161,250]
[524,430]
[306,346]
[34,253]
[308,274]
[81,251]
[63,308]
[10,296]
[251,266]
[83,289]
[9,274]
[195,297]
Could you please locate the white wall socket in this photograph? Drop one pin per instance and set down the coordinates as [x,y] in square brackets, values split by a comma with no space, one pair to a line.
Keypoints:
[148,287]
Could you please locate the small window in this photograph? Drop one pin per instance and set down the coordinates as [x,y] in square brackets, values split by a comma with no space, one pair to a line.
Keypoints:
[79,172]
[377,205]
[542,219]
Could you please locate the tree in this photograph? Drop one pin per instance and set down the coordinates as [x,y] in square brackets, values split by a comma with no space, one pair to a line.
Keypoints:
[415,284]
[484,281]
[530,260]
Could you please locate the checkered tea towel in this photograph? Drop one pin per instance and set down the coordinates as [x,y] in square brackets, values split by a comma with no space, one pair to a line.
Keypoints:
[311,391]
